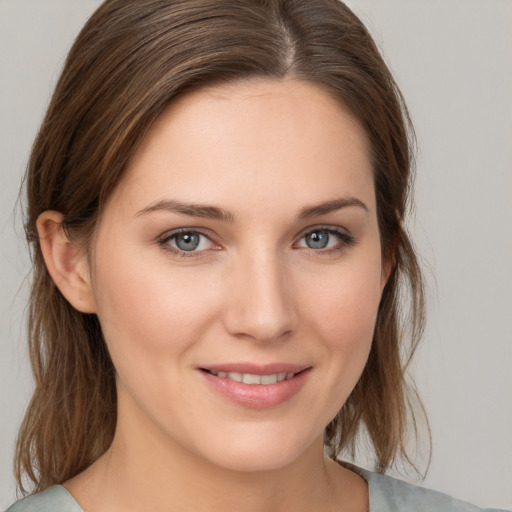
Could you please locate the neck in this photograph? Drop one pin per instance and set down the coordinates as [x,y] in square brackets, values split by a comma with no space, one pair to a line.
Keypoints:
[153,472]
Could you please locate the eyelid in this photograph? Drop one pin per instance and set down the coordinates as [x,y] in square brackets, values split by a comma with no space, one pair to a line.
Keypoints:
[347,239]
[163,242]
[326,227]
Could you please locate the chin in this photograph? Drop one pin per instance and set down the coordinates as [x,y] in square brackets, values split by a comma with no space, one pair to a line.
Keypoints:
[264,453]
[248,462]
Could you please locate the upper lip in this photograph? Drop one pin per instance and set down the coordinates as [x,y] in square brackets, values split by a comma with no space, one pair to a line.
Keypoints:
[256,369]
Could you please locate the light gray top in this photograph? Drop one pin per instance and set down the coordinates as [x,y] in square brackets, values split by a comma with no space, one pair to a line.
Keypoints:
[387,494]
[53,499]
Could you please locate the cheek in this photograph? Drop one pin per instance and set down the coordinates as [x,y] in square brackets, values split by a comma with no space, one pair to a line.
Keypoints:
[344,316]
[150,314]
[346,309]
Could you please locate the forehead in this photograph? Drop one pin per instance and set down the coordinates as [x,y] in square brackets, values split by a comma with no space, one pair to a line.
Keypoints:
[272,141]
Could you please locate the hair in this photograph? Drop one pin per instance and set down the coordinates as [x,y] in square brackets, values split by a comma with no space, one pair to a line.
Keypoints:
[131,59]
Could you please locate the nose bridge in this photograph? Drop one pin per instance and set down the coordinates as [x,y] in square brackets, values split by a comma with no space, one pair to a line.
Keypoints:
[261,305]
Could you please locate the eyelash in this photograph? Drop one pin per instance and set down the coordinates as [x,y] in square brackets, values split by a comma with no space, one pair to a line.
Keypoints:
[164,243]
[346,240]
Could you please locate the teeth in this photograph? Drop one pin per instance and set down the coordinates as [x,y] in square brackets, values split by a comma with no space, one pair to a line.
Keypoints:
[251,378]
[269,379]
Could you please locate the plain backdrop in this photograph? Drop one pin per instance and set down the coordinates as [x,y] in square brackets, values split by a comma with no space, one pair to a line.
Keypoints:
[453,62]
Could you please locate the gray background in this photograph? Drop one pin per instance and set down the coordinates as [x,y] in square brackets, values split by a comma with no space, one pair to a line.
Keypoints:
[453,61]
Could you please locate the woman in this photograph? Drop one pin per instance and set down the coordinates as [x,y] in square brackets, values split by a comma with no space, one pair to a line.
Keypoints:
[216,202]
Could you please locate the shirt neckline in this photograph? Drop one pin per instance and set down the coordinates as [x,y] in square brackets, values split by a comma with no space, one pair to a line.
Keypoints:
[363,473]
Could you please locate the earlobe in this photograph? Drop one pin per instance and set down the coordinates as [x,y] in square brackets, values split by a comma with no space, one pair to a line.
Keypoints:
[66,262]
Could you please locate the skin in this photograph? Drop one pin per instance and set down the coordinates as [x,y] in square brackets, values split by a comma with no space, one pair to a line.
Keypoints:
[252,292]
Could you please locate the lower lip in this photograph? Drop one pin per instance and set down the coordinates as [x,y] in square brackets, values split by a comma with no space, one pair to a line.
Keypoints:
[257,396]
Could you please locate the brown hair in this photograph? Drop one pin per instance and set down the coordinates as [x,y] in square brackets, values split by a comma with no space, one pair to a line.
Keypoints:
[130,60]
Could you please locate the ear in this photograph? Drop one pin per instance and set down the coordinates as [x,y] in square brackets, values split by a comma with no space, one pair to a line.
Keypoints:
[66,262]
[388,262]
[387,266]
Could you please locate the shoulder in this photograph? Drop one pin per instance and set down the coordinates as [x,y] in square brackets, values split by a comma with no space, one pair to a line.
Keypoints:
[53,499]
[388,494]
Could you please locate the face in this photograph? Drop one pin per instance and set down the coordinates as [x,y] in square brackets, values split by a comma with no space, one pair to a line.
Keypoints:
[237,273]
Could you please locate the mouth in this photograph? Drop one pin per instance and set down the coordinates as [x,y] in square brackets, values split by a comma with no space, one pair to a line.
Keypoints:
[256,387]
[253,378]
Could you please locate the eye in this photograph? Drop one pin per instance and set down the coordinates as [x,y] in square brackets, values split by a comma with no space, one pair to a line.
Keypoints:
[186,241]
[326,239]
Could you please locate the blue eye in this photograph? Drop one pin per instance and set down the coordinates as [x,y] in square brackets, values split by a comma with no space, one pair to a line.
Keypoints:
[185,241]
[318,239]
[189,242]
[326,238]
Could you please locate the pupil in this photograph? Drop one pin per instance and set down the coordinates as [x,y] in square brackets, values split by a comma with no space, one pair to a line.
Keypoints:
[187,241]
[317,239]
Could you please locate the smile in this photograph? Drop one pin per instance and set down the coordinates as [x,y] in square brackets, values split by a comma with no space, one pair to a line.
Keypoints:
[252,378]
[256,387]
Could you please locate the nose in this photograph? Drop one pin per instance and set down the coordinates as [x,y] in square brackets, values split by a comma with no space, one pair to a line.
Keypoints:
[260,303]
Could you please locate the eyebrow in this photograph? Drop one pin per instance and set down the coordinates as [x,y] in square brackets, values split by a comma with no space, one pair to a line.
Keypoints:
[192,209]
[331,206]
[216,213]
